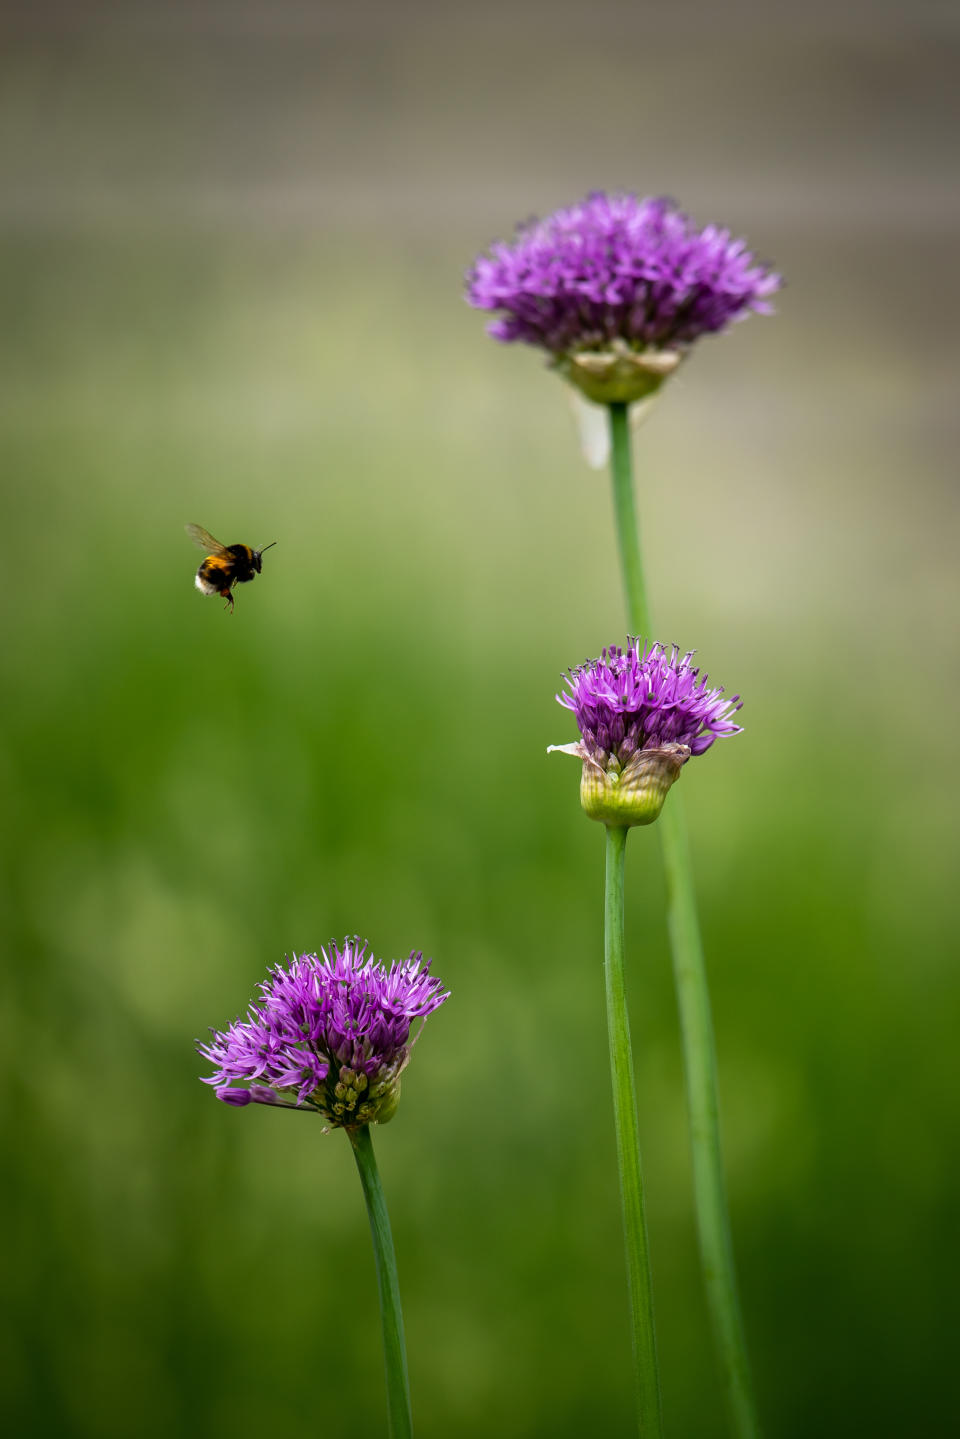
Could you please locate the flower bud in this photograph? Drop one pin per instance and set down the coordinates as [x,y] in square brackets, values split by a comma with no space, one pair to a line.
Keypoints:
[239,1098]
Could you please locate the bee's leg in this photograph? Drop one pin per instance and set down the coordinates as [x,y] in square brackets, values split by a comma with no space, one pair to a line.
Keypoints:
[229,599]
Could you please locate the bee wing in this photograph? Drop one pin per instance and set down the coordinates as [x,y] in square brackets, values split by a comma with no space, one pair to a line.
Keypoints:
[205,540]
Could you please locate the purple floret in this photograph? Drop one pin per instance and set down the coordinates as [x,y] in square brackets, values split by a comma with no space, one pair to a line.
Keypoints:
[637,699]
[329,1032]
[615,267]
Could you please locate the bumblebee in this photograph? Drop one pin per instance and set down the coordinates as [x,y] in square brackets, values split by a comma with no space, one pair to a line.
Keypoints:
[225,565]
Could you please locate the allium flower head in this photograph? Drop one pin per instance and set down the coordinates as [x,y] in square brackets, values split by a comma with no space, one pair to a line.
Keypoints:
[642,713]
[329,1032]
[617,289]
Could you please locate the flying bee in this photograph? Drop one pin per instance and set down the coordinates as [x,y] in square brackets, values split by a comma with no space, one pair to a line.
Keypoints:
[225,565]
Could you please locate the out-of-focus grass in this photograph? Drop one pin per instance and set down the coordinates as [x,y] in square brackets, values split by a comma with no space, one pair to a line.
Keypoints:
[361,747]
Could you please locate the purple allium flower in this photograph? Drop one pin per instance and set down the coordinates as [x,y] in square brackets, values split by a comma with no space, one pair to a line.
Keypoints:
[642,713]
[330,1032]
[616,289]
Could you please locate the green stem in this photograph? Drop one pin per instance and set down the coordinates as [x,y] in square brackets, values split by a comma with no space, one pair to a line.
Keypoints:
[631,561]
[713,1223]
[693,1002]
[394,1348]
[639,1289]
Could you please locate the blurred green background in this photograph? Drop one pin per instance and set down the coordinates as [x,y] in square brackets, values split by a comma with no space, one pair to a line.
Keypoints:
[233,238]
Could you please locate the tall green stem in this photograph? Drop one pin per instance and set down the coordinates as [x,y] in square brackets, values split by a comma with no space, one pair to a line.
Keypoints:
[640,1292]
[628,533]
[394,1348]
[693,1001]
